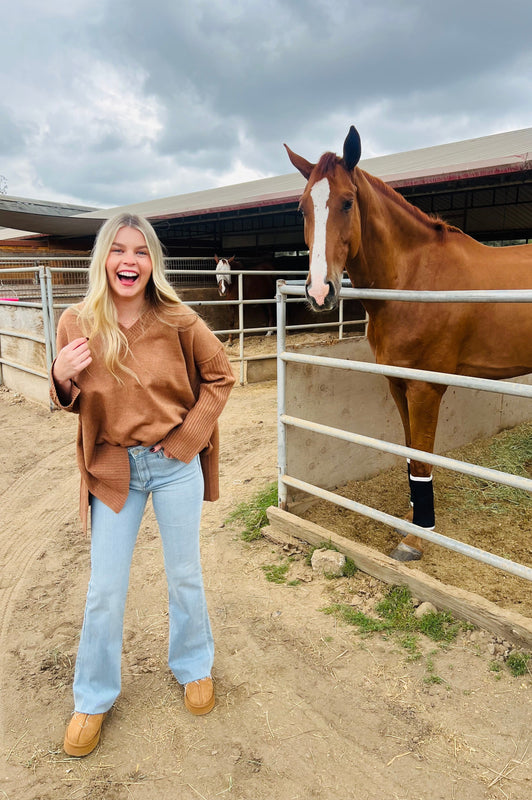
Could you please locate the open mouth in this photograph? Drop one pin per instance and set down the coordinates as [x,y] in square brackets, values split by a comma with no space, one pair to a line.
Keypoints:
[127,278]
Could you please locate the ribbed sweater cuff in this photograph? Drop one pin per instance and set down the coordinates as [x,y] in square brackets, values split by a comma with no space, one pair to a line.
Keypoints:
[55,397]
[194,433]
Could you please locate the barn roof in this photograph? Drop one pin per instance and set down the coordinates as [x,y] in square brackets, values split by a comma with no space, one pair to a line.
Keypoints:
[40,216]
[487,155]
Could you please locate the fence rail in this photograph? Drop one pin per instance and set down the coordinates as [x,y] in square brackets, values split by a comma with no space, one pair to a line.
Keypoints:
[52,284]
[285,420]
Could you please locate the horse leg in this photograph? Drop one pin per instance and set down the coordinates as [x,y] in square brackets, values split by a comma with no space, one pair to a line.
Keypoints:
[269,318]
[232,316]
[423,404]
[398,392]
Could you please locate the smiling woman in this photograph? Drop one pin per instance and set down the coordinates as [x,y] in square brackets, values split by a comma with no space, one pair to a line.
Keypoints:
[128,269]
[149,381]
[125,245]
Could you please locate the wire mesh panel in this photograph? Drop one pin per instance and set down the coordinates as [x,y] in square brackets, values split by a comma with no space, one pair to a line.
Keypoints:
[68,276]
[70,279]
[19,280]
[193,272]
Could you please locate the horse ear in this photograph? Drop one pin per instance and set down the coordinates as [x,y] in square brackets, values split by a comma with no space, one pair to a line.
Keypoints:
[216,258]
[300,163]
[352,149]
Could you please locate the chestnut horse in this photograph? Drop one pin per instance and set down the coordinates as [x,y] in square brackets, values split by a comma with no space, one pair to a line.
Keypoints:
[354,221]
[255,287]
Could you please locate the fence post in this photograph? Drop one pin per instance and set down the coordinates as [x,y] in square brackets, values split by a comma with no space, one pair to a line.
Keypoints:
[281,395]
[51,317]
[241,326]
[48,333]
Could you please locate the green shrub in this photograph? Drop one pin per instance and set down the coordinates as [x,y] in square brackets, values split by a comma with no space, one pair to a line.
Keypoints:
[517,663]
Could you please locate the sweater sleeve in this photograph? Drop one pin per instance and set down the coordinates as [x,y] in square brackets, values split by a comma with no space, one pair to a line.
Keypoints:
[64,336]
[216,380]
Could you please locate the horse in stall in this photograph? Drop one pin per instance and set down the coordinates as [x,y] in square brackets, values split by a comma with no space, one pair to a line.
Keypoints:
[354,221]
[255,287]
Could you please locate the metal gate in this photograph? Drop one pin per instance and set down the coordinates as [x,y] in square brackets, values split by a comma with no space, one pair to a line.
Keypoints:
[291,289]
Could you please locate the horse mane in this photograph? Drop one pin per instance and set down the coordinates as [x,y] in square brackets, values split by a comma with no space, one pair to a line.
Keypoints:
[326,165]
[430,220]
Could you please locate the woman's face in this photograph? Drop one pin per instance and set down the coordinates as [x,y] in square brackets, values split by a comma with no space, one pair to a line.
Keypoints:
[128,265]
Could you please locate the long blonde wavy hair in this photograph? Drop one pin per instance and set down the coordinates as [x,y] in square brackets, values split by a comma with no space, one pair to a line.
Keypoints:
[97,314]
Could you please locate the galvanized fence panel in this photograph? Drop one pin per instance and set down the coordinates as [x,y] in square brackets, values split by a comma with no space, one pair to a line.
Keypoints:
[69,283]
[286,290]
[19,279]
[22,287]
[191,272]
[52,284]
[241,331]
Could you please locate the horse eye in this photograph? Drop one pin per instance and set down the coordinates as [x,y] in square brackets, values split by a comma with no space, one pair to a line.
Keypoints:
[347,205]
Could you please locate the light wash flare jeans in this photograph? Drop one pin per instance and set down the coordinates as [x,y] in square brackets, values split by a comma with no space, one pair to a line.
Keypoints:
[177,496]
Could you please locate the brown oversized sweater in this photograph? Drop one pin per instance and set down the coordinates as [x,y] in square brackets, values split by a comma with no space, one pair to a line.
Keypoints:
[184,382]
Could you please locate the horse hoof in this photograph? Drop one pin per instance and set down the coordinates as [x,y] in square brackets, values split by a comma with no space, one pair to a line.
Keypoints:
[403,552]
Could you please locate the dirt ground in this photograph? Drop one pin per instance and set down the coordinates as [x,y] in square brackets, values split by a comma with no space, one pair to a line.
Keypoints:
[306,707]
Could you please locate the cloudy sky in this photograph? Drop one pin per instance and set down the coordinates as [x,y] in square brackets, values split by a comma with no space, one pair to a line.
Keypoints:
[110,102]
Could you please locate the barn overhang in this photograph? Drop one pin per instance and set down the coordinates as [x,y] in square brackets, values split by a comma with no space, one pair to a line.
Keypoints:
[482,186]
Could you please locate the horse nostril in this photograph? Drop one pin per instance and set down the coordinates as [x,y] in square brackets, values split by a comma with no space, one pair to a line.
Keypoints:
[331,297]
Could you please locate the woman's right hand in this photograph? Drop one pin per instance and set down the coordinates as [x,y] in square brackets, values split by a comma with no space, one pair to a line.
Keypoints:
[71,360]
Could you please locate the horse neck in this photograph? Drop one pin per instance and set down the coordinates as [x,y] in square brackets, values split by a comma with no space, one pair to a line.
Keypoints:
[391,234]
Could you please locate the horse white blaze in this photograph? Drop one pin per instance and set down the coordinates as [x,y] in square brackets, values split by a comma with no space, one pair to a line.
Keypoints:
[318,287]
[223,275]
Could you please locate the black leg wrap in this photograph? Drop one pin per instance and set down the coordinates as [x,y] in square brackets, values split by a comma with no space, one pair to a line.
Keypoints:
[422,495]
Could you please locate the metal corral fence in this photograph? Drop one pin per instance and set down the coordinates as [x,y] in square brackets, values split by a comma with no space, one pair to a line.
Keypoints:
[292,289]
[25,288]
[52,284]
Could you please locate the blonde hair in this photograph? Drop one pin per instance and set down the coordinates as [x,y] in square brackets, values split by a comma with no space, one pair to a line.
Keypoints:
[97,314]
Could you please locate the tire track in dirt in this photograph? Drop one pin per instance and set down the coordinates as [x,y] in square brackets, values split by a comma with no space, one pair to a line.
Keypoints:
[32,512]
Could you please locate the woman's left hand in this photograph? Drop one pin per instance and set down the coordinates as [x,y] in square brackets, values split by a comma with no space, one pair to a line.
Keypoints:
[156,448]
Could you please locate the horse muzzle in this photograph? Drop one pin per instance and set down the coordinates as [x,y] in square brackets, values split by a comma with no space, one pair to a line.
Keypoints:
[323,299]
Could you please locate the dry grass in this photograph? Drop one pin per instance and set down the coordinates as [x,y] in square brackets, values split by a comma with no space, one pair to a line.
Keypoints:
[493,518]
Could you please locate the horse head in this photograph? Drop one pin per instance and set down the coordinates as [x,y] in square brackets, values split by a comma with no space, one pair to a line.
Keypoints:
[223,273]
[331,219]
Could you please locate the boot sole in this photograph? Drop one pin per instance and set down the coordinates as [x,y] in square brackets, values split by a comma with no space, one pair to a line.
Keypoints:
[198,711]
[78,750]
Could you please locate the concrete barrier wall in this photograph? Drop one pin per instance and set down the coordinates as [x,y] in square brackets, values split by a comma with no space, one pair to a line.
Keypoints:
[25,352]
[361,403]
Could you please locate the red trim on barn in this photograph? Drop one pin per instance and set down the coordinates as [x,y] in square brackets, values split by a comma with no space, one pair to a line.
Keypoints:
[396,182]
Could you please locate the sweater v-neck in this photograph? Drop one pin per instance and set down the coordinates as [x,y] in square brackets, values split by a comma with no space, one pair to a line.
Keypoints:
[139,326]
